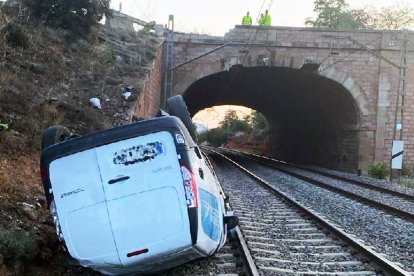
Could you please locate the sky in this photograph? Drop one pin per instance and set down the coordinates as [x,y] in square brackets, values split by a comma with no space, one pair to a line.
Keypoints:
[216,17]
[211,117]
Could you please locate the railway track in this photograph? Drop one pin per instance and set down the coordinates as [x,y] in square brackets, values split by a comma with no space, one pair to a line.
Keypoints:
[283,237]
[388,190]
[388,200]
[226,262]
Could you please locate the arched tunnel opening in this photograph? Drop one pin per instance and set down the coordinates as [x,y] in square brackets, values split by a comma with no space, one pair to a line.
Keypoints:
[235,127]
[314,120]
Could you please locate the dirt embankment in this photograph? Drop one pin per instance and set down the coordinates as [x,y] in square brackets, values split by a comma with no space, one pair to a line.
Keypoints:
[48,79]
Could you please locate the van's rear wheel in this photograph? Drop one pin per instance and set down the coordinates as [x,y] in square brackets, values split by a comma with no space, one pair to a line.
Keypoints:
[54,135]
[178,108]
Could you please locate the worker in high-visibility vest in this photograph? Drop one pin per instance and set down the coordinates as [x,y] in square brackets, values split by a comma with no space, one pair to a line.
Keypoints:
[261,20]
[247,20]
[267,19]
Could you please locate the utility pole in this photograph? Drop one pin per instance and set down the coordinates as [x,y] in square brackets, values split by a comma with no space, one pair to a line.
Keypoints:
[397,136]
[169,60]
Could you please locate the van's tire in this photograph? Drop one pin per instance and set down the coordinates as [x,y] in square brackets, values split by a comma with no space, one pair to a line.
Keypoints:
[54,135]
[178,108]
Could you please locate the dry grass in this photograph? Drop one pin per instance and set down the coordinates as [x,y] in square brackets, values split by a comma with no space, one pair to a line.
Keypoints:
[50,114]
[4,18]
[6,184]
[407,182]
[6,77]
[19,175]
[104,54]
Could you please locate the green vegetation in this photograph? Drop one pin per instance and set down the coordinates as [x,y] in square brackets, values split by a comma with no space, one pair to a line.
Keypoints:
[76,16]
[232,123]
[406,171]
[379,170]
[214,137]
[254,124]
[336,14]
[17,245]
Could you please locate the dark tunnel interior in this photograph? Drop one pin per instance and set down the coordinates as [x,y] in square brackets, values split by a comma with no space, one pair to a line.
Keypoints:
[314,120]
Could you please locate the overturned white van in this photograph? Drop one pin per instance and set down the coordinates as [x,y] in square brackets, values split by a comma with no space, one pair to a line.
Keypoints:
[136,198]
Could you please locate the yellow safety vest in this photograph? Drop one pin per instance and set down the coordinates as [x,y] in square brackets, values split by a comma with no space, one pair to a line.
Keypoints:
[247,20]
[267,20]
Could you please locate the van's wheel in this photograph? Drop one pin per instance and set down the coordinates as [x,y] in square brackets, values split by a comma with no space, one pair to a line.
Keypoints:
[178,108]
[54,135]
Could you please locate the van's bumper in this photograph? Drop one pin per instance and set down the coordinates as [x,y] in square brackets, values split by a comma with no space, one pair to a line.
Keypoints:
[152,265]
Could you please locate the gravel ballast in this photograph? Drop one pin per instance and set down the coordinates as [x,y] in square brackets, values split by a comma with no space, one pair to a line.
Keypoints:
[387,234]
[378,196]
[281,239]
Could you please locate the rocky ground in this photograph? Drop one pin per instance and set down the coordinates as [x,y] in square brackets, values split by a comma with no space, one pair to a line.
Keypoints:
[47,78]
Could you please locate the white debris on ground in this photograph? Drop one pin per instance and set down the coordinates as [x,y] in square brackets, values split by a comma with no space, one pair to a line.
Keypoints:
[95,102]
[126,95]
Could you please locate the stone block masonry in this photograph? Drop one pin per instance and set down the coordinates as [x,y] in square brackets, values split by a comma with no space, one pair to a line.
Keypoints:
[371,81]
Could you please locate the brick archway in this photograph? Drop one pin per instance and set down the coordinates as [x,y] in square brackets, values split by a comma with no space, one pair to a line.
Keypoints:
[349,83]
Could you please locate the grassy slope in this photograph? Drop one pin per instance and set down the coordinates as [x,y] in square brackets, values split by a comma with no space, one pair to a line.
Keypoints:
[48,82]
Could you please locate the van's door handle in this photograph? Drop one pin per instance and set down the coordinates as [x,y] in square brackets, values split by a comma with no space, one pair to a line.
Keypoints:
[119,179]
[201,173]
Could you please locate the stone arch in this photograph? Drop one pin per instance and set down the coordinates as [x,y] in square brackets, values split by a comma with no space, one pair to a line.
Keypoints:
[348,82]
[294,62]
[298,103]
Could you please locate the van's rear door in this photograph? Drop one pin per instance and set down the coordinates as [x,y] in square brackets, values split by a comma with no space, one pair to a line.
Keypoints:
[146,201]
[80,201]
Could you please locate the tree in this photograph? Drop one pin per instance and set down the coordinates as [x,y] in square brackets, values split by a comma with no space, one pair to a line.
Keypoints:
[335,14]
[387,18]
[332,14]
[77,16]
[254,125]
[259,121]
[216,137]
[231,122]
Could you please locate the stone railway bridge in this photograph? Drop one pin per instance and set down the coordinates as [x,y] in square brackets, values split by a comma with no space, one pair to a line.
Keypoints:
[329,96]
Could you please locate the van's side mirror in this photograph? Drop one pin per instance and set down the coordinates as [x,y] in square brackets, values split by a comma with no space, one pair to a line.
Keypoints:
[231,221]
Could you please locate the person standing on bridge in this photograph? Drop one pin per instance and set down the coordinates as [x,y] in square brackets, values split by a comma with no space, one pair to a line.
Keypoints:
[261,20]
[247,20]
[267,19]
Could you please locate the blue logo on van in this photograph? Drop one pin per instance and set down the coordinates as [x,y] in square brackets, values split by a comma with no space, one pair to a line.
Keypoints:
[210,215]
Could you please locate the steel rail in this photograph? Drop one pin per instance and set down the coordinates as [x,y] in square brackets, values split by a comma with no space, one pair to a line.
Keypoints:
[385,264]
[379,205]
[362,184]
[339,177]
[248,259]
